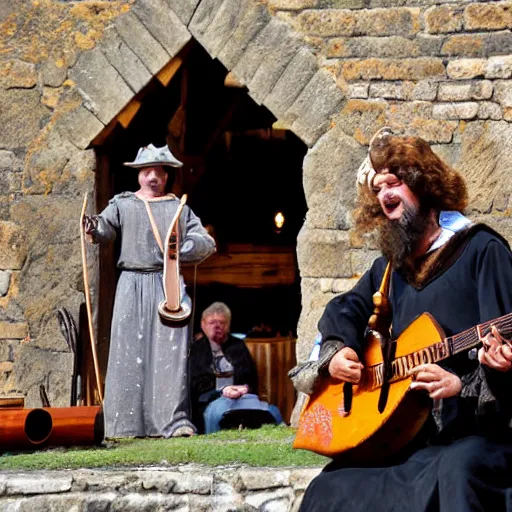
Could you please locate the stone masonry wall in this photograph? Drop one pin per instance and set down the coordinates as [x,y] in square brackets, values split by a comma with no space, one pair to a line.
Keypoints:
[185,488]
[436,69]
[332,71]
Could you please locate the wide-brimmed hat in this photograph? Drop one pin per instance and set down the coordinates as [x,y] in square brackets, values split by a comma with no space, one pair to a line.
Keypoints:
[150,155]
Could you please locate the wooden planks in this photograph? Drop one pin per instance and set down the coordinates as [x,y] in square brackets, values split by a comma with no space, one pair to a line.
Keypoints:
[247,267]
[274,357]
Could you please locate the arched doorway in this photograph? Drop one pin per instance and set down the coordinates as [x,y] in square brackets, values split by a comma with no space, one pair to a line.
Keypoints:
[240,170]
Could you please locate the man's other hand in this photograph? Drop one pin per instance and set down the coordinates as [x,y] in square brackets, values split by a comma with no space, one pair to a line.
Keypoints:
[496,352]
[345,366]
[235,391]
[438,382]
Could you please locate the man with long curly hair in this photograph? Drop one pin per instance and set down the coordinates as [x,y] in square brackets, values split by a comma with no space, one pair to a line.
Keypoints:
[460,273]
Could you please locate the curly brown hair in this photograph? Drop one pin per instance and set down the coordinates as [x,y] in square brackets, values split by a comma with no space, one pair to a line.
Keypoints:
[412,160]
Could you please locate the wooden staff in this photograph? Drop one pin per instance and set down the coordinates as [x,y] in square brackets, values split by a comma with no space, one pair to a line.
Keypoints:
[88,301]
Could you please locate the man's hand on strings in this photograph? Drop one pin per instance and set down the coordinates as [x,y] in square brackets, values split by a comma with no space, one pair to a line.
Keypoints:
[345,366]
[496,352]
[436,381]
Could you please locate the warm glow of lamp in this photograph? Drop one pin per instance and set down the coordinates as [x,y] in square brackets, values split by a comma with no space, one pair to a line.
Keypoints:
[279,220]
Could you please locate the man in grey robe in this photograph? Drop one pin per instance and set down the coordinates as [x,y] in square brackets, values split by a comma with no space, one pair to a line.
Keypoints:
[147,385]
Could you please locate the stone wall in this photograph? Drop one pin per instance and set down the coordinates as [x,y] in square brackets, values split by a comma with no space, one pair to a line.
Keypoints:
[436,69]
[332,71]
[183,488]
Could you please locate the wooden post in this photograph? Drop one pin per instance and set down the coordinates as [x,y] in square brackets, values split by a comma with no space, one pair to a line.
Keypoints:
[87,291]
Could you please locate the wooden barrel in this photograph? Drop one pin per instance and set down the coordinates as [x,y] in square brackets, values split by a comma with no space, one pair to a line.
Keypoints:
[273,358]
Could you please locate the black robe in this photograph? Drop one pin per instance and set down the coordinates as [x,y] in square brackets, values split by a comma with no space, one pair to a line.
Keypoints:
[463,460]
[203,381]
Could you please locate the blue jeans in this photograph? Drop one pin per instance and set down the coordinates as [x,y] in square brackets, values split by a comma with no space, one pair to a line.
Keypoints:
[216,409]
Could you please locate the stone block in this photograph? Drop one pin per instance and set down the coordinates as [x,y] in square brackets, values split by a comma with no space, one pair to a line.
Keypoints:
[183,8]
[5,281]
[393,69]
[294,78]
[361,118]
[499,67]
[13,244]
[53,72]
[467,110]
[129,66]
[313,305]
[358,90]
[391,90]
[256,479]
[163,24]
[466,68]
[365,47]
[17,74]
[148,502]
[278,500]
[301,478]
[503,93]
[443,19]
[38,484]
[203,16]
[489,110]
[13,331]
[430,45]
[313,108]
[474,90]
[323,253]
[327,22]
[175,482]
[223,25]
[98,481]
[272,67]
[486,150]
[24,114]
[498,43]
[464,45]
[80,126]
[291,5]
[425,90]
[388,22]
[34,366]
[142,43]
[98,93]
[99,502]
[260,48]
[491,16]
[252,22]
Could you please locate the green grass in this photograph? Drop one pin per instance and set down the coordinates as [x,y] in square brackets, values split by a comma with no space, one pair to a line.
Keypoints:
[268,446]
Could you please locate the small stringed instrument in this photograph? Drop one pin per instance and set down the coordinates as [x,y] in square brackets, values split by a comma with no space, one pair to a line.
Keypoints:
[364,434]
[174,308]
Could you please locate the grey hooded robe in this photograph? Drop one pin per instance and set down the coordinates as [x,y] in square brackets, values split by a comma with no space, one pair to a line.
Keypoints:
[146,388]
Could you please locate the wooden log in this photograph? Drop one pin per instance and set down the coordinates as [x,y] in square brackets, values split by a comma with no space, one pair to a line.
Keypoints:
[24,428]
[76,426]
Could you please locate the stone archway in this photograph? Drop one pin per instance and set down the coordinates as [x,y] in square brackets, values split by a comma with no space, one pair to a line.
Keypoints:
[279,71]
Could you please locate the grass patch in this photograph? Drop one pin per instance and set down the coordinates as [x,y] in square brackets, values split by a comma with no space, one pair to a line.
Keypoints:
[267,446]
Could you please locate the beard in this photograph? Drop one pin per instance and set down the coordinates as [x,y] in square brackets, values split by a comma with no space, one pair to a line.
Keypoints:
[399,238]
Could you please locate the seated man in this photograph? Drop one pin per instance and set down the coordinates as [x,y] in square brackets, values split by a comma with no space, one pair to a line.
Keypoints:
[224,377]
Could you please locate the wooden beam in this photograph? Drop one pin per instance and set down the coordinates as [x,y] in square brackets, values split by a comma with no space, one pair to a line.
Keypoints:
[166,74]
[262,267]
[126,115]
